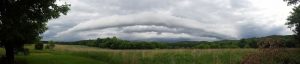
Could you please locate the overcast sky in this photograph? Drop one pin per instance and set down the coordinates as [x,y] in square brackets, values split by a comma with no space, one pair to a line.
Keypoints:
[170,20]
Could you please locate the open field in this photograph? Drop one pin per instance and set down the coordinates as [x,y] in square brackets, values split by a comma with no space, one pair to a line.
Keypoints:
[76,54]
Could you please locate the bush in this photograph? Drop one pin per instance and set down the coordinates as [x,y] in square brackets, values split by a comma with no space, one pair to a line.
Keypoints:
[39,46]
[203,46]
[26,51]
[50,45]
[270,51]
[47,47]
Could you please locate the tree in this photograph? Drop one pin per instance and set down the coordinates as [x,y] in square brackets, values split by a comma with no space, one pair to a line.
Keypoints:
[50,45]
[252,43]
[22,21]
[39,46]
[292,2]
[294,18]
[242,43]
[294,21]
[203,46]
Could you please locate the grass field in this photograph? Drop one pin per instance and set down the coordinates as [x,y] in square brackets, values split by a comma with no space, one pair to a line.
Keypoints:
[76,54]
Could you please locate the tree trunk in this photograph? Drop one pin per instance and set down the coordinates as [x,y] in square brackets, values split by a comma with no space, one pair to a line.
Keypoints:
[9,53]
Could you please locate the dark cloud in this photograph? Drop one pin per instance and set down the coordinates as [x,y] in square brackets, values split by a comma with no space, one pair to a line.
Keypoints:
[169,20]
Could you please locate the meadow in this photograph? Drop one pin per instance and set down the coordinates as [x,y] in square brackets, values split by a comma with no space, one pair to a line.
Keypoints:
[77,54]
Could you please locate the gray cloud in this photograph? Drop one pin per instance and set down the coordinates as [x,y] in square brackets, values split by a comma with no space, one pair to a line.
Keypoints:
[169,20]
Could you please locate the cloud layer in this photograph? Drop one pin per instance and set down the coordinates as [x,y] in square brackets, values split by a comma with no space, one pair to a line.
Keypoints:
[170,20]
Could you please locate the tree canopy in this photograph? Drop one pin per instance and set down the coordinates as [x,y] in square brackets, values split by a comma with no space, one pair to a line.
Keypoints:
[294,21]
[294,18]
[292,2]
[116,43]
[22,21]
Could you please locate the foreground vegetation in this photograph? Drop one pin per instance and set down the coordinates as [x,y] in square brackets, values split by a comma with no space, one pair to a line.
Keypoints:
[77,54]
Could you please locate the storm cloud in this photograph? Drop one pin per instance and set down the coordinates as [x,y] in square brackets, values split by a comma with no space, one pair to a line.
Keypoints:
[170,20]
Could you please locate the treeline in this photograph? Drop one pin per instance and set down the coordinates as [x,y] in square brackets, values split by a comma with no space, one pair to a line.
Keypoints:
[287,41]
[115,43]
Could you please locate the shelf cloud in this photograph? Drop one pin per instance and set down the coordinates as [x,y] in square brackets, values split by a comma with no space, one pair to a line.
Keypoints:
[169,20]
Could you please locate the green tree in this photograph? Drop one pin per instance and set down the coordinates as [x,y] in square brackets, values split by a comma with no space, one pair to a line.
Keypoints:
[252,43]
[292,2]
[294,21]
[39,46]
[50,45]
[22,21]
[203,46]
[294,18]
[242,43]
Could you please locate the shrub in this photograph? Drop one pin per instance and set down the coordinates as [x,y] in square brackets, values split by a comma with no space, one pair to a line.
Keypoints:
[26,51]
[203,46]
[47,47]
[50,45]
[39,46]
[22,50]
[271,51]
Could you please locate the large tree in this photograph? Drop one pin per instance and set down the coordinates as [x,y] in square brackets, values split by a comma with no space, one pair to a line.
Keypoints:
[294,18]
[292,2]
[294,21]
[22,21]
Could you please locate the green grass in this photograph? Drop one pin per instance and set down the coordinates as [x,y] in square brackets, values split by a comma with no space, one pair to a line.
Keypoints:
[75,54]
[47,58]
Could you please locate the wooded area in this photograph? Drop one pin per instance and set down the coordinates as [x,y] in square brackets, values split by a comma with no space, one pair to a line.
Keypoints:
[116,43]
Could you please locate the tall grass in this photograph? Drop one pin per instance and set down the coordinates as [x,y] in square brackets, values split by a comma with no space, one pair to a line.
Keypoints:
[158,56]
[74,54]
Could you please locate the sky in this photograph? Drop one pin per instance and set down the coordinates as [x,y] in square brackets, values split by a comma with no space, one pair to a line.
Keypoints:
[169,20]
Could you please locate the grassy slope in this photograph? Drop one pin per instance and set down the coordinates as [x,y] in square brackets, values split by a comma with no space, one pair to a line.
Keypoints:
[52,57]
[73,54]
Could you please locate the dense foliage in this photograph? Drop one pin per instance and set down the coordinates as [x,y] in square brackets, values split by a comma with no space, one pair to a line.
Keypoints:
[294,18]
[292,2]
[293,21]
[22,21]
[39,46]
[115,43]
[50,45]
